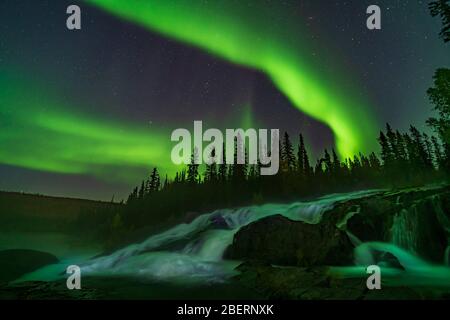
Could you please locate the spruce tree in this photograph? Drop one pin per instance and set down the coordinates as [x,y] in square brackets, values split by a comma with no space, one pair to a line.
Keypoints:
[222,170]
[166,182]
[306,166]
[421,155]
[439,95]
[387,157]
[327,162]
[192,174]
[288,153]
[336,163]
[155,181]
[238,170]
[142,190]
[441,8]
[211,168]
[429,150]
[437,153]
[300,156]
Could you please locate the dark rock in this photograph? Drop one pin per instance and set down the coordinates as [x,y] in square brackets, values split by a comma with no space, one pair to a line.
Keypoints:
[280,241]
[289,283]
[219,222]
[190,216]
[373,220]
[316,283]
[17,262]
[40,290]
[386,259]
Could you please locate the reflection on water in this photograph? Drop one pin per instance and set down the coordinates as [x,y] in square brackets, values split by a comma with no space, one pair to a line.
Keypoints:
[60,245]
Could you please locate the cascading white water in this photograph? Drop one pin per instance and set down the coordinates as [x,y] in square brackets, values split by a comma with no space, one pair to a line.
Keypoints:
[444,221]
[414,271]
[406,226]
[404,229]
[194,251]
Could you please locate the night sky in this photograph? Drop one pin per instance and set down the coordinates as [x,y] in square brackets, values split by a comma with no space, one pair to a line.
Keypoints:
[88,113]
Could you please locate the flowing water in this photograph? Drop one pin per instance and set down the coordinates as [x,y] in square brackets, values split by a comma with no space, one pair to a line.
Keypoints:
[412,270]
[193,252]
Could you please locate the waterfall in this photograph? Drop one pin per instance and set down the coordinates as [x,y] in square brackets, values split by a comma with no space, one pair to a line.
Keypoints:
[404,241]
[444,221]
[194,251]
[343,225]
[405,229]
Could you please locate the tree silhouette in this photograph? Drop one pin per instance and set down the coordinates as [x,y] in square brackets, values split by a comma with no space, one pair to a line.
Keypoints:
[142,190]
[238,172]
[439,95]
[421,157]
[211,169]
[441,8]
[303,165]
[192,174]
[155,181]
[222,172]
[287,154]
[439,158]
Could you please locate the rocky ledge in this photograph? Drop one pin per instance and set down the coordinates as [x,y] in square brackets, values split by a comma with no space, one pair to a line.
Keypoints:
[283,258]
[17,262]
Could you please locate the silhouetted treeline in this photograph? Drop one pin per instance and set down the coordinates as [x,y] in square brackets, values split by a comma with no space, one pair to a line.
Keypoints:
[406,159]
[441,8]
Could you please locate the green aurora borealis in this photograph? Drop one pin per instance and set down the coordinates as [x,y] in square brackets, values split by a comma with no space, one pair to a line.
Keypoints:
[58,140]
[88,113]
[243,40]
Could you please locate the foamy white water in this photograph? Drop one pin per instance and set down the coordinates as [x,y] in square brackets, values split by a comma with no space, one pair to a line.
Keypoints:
[194,251]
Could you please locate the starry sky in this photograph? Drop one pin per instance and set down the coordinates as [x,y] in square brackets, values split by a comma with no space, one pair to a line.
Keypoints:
[88,113]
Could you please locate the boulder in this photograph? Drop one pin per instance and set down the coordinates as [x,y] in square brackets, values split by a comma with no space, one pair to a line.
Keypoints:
[17,262]
[280,241]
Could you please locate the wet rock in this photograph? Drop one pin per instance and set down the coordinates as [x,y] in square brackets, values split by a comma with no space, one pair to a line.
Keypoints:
[280,241]
[17,262]
[293,283]
[374,219]
[316,283]
[219,222]
[40,290]
[190,216]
